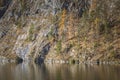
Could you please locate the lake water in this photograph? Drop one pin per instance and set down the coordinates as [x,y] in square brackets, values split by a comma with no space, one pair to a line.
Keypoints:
[31,71]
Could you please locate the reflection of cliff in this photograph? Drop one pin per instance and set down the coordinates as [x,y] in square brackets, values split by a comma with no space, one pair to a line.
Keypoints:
[28,71]
[81,72]
[31,71]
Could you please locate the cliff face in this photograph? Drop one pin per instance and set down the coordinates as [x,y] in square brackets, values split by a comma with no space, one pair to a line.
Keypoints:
[60,29]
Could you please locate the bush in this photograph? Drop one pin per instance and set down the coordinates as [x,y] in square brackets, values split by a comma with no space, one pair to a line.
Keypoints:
[59,46]
[31,32]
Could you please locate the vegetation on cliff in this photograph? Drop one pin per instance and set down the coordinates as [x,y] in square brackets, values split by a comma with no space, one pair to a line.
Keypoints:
[84,30]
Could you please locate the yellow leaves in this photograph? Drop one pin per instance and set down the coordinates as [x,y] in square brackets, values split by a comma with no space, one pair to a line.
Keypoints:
[70,27]
[93,5]
[96,21]
[62,21]
[52,40]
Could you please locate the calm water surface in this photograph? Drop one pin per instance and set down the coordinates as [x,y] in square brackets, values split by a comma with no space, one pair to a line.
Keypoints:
[30,71]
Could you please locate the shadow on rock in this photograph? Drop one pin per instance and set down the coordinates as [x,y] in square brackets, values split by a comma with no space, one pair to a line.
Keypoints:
[42,54]
[19,60]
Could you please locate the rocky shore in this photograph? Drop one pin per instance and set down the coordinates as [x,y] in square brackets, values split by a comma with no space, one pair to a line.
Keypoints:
[52,61]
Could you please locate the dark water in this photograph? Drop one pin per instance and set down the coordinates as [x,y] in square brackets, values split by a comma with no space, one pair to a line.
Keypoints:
[30,71]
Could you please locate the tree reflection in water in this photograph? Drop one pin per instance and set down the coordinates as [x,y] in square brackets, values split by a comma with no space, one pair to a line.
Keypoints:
[31,71]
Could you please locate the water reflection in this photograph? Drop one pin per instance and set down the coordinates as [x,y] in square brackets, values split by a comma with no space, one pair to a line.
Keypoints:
[31,71]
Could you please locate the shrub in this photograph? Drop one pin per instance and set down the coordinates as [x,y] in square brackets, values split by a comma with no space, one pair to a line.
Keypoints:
[59,46]
[62,23]
[31,32]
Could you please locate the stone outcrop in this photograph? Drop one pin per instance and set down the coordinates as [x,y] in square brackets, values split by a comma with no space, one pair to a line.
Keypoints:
[39,30]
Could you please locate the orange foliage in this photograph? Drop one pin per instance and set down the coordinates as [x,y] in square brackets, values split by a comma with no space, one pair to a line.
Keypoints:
[93,5]
[96,21]
[62,22]
[70,27]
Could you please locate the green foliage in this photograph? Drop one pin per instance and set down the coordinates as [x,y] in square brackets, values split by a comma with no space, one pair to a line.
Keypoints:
[113,53]
[50,34]
[31,32]
[59,46]
[54,19]
[23,5]
[19,23]
[107,12]
[106,27]
[96,44]
[110,48]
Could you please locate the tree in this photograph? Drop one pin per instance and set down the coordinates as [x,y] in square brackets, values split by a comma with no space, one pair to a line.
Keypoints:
[62,23]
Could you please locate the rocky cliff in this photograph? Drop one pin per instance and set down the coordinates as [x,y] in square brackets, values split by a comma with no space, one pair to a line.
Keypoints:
[68,30]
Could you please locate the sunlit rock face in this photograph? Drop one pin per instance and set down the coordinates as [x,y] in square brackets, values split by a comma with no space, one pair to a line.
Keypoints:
[56,29]
[33,24]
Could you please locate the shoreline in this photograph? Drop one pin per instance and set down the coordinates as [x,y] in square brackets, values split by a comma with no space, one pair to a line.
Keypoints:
[60,61]
[80,62]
